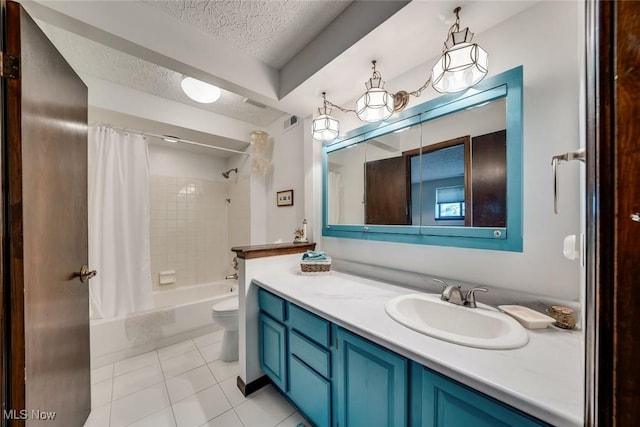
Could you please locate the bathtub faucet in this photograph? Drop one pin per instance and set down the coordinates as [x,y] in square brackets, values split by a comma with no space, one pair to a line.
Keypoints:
[233,276]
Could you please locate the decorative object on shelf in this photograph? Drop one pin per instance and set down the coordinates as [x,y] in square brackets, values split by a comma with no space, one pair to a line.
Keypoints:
[563,315]
[461,65]
[284,198]
[301,234]
[261,152]
[315,262]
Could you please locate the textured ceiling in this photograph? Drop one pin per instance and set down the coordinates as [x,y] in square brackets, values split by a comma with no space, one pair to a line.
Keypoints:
[88,57]
[273,31]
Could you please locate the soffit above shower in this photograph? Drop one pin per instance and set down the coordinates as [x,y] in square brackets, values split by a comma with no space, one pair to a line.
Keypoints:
[94,59]
[120,120]
[271,31]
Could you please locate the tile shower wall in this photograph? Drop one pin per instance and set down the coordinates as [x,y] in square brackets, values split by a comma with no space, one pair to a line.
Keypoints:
[188,230]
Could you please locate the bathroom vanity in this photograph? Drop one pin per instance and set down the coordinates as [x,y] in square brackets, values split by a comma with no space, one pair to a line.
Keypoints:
[328,345]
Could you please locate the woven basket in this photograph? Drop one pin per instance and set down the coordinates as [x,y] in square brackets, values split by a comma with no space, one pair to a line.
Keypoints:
[310,267]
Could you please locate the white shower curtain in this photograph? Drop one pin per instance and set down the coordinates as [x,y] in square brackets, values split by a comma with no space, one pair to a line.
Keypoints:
[119,241]
[335,195]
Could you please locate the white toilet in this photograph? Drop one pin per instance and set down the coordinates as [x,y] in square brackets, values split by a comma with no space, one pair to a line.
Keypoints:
[225,314]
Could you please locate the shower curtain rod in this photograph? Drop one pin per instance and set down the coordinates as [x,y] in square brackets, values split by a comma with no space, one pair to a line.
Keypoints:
[164,138]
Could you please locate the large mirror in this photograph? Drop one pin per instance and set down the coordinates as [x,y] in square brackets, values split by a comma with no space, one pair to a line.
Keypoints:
[446,172]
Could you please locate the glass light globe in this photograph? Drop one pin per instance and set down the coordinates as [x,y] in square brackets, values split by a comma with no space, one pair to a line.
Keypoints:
[200,91]
[325,127]
[375,105]
[460,68]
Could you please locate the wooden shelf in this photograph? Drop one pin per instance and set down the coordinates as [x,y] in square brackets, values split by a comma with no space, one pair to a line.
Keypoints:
[262,251]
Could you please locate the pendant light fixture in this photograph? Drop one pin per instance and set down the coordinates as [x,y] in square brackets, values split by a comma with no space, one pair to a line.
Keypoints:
[461,65]
[325,127]
[376,104]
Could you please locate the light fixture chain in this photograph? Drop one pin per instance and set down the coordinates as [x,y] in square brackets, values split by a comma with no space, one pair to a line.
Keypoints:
[378,104]
[344,110]
[418,91]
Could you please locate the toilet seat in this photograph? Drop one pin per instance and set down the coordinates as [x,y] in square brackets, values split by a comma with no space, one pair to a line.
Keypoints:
[228,306]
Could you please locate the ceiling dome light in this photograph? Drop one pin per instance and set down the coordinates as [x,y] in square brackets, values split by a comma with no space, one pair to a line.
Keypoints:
[200,91]
[462,64]
[376,104]
[325,127]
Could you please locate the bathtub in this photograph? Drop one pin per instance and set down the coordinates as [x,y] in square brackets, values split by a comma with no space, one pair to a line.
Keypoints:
[178,314]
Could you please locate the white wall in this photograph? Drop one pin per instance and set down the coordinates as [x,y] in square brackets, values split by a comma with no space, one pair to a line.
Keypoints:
[547,40]
[239,214]
[287,173]
[166,160]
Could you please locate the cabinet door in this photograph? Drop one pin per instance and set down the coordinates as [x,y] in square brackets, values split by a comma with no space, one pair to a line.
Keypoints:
[273,350]
[310,391]
[440,402]
[371,384]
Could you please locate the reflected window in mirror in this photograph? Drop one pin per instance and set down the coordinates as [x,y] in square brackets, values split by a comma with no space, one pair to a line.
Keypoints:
[438,181]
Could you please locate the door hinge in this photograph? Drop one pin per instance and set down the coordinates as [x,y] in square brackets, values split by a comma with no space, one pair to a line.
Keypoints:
[337,344]
[10,66]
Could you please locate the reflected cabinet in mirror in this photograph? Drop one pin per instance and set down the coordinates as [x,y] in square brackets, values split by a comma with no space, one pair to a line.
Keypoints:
[446,172]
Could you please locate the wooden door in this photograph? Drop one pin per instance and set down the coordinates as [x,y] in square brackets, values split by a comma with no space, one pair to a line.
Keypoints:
[613,214]
[387,199]
[45,231]
[489,180]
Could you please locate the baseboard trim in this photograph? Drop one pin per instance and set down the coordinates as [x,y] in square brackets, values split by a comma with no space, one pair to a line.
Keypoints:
[253,386]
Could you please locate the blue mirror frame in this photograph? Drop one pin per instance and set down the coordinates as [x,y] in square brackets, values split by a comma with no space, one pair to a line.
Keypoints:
[506,85]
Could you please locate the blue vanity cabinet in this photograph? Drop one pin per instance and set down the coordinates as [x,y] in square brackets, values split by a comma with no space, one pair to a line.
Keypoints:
[370,383]
[310,386]
[273,338]
[294,352]
[339,379]
[273,350]
[437,401]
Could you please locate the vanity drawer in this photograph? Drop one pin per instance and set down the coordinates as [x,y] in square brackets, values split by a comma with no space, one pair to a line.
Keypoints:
[272,305]
[309,325]
[310,353]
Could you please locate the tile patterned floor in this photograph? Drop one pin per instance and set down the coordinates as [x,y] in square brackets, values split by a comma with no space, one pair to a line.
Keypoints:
[183,385]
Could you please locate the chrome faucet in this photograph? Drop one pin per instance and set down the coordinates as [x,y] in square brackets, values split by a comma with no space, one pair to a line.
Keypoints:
[453,294]
[234,264]
[450,293]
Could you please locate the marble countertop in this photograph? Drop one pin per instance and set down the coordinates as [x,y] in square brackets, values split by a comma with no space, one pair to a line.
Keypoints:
[544,378]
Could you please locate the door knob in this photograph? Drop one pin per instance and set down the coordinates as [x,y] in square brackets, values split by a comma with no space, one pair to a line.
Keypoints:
[86,274]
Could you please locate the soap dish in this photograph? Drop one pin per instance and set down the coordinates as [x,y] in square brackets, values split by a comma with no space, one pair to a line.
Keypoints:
[529,318]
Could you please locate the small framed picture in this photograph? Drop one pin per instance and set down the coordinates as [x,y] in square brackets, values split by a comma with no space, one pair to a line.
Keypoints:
[284,198]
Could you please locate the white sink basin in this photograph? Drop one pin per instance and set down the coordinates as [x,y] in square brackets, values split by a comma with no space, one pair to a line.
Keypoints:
[481,327]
